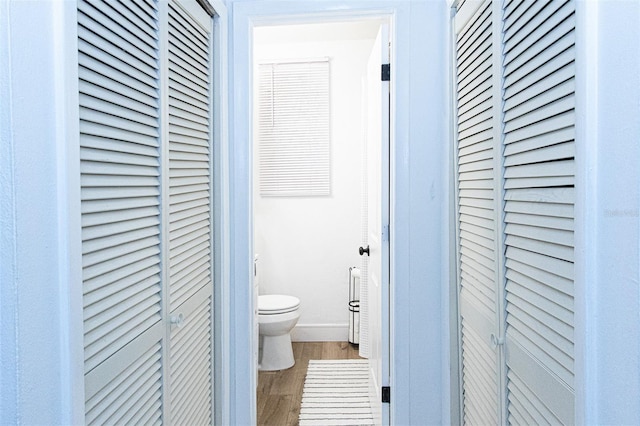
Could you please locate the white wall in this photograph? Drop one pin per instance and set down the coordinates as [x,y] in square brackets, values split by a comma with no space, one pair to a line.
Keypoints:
[608,314]
[307,244]
[41,378]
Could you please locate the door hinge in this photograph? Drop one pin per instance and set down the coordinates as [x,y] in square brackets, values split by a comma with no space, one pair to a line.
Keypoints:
[386,72]
[385,233]
[386,394]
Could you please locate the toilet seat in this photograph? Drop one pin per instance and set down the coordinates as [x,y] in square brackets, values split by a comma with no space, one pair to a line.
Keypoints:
[273,304]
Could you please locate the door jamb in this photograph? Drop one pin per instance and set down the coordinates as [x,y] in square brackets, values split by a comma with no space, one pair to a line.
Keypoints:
[241,208]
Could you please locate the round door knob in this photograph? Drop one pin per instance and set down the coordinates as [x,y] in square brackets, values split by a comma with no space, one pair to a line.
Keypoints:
[363,251]
[177,320]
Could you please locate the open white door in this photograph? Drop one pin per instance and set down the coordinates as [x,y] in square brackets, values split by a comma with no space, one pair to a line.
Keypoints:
[378,224]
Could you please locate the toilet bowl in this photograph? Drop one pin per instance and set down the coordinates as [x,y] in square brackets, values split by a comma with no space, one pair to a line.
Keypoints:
[277,315]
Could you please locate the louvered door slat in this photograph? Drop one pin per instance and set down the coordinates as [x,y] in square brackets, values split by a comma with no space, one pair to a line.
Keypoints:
[476,158]
[541,221]
[119,122]
[478,267]
[479,379]
[111,43]
[554,210]
[535,29]
[541,154]
[182,40]
[91,80]
[476,87]
[188,185]
[109,18]
[101,13]
[114,385]
[557,71]
[144,371]
[189,112]
[95,130]
[519,16]
[539,116]
[474,30]
[191,360]
[539,54]
[105,98]
[106,58]
[118,71]
[554,236]
[537,310]
[189,259]
[181,86]
[528,413]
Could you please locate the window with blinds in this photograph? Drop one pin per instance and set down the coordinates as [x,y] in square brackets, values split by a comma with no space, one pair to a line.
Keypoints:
[294,129]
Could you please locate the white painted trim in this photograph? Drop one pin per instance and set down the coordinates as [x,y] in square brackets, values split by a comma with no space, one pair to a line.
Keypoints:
[468,10]
[320,333]
[67,108]
[221,223]
[585,215]
[163,152]
[454,282]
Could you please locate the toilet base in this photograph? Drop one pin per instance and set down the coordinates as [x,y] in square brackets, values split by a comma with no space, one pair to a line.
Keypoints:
[276,353]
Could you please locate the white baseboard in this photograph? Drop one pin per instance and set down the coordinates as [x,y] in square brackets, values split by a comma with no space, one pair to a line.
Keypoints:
[320,333]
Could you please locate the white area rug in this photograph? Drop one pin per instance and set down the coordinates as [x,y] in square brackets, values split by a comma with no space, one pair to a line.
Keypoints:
[336,392]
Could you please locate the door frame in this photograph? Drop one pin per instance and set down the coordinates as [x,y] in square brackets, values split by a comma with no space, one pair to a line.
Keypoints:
[248,380]
[419,366]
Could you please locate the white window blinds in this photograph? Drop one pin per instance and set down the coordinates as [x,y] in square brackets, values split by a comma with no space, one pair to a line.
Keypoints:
[294,129]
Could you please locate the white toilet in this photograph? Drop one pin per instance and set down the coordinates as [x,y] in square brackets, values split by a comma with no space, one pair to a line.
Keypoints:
[277,315]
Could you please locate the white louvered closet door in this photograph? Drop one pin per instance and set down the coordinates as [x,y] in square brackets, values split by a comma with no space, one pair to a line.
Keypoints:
[189,212]
[525,371]
[120,166]
[477,215]
[539,126]
[145,132]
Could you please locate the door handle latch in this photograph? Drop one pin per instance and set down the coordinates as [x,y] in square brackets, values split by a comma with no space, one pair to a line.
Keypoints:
[363,251]
[177,320]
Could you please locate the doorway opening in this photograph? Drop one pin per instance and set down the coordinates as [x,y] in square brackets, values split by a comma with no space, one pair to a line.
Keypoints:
[312,214]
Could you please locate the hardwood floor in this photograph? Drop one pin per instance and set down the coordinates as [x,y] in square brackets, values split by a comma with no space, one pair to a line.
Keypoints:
[280,392]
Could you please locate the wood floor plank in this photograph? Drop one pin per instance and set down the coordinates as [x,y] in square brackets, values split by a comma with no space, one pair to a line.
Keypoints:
[275,410]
